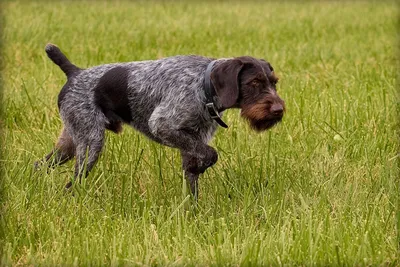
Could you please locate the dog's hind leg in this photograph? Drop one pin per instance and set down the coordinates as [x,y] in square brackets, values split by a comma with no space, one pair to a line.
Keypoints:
[88,150]
[63,152]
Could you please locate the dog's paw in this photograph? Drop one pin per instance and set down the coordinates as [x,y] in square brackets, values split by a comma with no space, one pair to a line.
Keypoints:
[68,186]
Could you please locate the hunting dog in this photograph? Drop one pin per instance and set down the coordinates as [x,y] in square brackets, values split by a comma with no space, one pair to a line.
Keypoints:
[176,101]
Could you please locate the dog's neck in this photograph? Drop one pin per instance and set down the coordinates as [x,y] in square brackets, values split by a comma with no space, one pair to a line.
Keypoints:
[211,96]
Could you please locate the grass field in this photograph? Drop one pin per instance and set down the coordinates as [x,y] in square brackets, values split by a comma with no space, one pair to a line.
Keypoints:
[321,188]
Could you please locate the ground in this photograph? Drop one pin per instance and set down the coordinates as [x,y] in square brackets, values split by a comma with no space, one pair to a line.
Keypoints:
[320,188]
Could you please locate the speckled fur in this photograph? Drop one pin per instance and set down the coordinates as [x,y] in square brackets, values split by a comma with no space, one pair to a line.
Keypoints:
[164,99]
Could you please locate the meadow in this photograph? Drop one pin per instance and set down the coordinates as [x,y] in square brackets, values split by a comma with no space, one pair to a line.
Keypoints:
[320,188]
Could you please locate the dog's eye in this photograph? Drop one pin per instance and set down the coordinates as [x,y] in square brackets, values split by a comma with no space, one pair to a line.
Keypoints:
[255,83]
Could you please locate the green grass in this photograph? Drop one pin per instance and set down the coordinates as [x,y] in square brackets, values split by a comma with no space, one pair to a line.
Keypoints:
[321,188]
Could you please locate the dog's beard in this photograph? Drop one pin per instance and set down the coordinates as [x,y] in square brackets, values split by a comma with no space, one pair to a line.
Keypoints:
[262,125]
[258,117]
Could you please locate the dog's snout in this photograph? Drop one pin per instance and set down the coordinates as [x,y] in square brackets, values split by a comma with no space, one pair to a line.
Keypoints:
[277,109]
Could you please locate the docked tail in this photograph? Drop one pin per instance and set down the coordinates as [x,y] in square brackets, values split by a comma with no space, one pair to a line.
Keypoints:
[55,54]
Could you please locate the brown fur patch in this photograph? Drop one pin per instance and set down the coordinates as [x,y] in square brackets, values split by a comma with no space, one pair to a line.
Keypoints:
[259,114]
[258,111]
[65,144]
[115,127]
[263,125]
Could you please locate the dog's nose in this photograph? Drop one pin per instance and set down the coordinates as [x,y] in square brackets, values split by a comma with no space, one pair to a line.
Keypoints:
[277,109]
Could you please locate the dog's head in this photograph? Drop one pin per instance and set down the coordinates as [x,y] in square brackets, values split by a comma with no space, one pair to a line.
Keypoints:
[250,84]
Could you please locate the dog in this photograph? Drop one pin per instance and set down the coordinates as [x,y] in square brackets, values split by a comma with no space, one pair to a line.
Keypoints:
[176,101]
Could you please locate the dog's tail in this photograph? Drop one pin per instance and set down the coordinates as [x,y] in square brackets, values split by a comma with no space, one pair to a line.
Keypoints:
[55,54]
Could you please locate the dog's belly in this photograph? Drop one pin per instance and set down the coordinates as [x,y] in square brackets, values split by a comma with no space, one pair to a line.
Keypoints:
[141,124]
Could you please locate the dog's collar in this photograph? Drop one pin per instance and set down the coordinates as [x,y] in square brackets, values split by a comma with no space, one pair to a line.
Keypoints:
[211,95]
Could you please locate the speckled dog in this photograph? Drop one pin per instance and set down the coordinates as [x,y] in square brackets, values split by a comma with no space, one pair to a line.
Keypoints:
[176,101]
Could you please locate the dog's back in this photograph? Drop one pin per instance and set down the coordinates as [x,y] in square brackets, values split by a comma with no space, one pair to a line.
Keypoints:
[131,92]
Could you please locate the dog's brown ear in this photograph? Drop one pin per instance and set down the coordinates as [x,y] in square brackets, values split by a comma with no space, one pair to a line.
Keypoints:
[225,80]
[269,65]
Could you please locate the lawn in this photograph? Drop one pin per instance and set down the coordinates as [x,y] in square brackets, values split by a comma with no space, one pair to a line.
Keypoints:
[320,188]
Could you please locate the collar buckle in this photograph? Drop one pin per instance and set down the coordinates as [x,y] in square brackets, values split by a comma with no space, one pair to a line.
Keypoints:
[212,110]
[214,115]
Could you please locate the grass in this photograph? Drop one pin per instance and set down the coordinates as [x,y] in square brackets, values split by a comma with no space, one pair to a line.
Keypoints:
[321,188]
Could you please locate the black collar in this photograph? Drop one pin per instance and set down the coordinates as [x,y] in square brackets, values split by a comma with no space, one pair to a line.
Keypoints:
[211,96]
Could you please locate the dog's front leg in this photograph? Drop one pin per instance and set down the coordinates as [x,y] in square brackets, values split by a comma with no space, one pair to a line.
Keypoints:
[197,162]
[192,181]
[197,157]
[175,130]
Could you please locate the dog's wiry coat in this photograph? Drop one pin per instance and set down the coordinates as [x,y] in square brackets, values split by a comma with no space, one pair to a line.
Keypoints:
[164,99]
